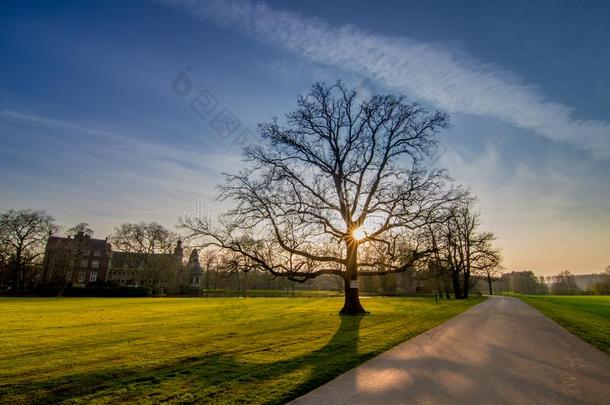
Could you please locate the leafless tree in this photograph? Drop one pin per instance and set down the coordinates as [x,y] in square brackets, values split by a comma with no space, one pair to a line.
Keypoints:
[489,266]
[341,189]
[23,235]
[209,259]
[145,238]
[5,276]
[80,228]
[152,242]
[461,247]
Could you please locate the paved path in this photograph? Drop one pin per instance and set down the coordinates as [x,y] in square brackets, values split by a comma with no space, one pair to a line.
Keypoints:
[499,352]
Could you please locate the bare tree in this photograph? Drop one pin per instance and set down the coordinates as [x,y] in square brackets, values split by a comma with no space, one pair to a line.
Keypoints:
[80,228]
[5,276]
[489,266]
[460,247]
[23,234]
[153,243]
[144,238]
[341,189]
[209,262]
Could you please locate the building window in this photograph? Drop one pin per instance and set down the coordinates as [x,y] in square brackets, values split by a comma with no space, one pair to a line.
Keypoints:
[86,252]
[97,253]
[95,264]
[84,263]
[93,276]
[81,276]
[69,275]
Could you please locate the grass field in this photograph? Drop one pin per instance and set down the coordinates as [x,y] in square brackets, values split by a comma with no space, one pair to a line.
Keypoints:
[225,350]
[585,316]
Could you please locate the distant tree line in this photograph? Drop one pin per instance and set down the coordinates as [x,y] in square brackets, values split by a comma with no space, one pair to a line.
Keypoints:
[462,261]
[24,234]
[564,283]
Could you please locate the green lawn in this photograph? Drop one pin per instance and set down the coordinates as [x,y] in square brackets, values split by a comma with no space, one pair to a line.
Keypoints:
[585,316]
[222,350]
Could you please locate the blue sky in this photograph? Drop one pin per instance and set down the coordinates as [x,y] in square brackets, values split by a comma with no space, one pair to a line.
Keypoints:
[93,129]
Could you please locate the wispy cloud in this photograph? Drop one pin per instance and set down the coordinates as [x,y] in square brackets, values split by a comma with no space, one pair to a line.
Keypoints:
[114,141]
[82,172]
[431,72]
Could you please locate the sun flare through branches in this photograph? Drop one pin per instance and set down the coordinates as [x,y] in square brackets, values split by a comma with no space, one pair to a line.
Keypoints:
[359,234]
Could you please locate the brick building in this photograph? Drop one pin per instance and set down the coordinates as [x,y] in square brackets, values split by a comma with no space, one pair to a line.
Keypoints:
[78,260]
[82,261]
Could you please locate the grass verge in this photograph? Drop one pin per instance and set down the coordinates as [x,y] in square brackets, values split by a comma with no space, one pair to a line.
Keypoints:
[586,316]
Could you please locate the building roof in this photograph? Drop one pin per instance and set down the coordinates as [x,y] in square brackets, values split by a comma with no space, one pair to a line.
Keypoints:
[58,242]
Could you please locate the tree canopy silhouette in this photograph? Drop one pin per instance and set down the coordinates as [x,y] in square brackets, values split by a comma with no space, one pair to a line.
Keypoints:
[341,188]
[23,234]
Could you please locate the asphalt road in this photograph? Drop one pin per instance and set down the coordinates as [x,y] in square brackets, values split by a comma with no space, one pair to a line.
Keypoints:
[500,352]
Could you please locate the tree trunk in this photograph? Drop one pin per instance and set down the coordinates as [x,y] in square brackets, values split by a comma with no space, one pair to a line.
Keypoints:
[438,287]
[447,291]
[207,280]
[466,284]
[457,289]
[14,272]
[352,304]
[489,282]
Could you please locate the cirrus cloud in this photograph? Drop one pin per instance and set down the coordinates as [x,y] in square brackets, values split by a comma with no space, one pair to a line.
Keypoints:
[435,73]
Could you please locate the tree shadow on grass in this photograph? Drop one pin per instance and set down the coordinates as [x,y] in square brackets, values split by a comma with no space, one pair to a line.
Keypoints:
[208,378]
[337,356]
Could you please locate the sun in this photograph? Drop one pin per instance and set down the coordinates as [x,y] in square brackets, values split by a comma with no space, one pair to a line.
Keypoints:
[359,234]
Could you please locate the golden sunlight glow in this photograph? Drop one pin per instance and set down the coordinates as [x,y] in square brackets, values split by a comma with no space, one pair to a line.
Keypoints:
[359,234]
